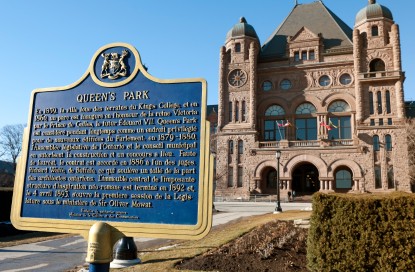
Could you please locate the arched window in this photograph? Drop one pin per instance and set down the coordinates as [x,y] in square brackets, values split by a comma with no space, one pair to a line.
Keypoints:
[379,96]
[237,111]
[376,144]
[230,112]
[388,102]
[344,179]
[371,108]
[340,126]
[240,147]
[377,65]
[305,108]
[274,124]
[306,125]
[339,106]
[230,147]
[388,142]
[243,111]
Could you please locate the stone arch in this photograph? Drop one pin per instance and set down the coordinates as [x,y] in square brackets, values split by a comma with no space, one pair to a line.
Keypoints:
[353,166]
[293,162]
[263,165]
[306,99]
[336,97]
[269,101]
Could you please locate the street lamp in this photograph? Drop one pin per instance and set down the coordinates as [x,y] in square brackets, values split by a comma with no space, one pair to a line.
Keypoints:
[278,208]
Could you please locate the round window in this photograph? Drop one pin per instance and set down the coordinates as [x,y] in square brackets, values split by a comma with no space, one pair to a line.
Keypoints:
[324,81]
[286,84]
[266,86]
[345,79]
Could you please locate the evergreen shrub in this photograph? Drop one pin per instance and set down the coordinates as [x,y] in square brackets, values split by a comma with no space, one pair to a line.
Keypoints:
[362,232]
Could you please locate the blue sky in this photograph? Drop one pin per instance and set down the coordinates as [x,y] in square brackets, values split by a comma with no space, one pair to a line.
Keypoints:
[49,43]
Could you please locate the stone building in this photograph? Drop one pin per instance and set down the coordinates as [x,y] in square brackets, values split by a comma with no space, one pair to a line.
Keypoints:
[329,97]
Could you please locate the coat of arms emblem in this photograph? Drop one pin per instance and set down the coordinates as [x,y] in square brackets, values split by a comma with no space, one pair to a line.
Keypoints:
[114,66]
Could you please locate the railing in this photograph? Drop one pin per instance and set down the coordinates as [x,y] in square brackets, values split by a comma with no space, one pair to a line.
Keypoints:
[259,198]
[341,142]
[304,143]
[314,143]
[269,144]
[380,74]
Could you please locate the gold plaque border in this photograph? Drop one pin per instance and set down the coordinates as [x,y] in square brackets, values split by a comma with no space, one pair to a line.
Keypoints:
[82,227]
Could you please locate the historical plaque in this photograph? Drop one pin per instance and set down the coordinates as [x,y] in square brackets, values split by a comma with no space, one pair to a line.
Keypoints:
[118,146]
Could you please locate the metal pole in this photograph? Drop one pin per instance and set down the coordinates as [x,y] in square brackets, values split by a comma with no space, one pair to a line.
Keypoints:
[278,208]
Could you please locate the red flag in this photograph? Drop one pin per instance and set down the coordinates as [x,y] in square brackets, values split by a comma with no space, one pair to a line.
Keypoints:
[328,127]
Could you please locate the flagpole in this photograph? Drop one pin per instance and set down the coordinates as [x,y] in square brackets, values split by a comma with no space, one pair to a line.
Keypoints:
[278,125]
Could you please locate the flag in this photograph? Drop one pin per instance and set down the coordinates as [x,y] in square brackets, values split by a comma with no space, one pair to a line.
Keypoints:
[279,125]
[331,124]
[328,127]
[288,124]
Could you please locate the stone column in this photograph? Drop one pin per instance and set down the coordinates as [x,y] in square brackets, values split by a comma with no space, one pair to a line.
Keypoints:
[253,55]
[357,64]
[222,82]
[397,66]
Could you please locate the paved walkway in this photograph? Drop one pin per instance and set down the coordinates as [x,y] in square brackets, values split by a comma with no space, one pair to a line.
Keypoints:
[66,253]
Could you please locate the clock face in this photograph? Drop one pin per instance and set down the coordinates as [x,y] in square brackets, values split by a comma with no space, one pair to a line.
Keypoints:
[237,78]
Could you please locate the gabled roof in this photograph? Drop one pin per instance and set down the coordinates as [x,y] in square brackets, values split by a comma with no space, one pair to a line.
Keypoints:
[317,18]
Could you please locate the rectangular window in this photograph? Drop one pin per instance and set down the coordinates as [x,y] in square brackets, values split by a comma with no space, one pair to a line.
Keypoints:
[304,55]
[296,56]
[243,111]
[372,122]
[380,122]
[311,55]
[237,47]
[342,128]
[390,121]
[273,132]
[306,129]
[240,177]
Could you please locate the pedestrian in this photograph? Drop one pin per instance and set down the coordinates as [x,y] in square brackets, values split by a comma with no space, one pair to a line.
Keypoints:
[289,196]
[293,195]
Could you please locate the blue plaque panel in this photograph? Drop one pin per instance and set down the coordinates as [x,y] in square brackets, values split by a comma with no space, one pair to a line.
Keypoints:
[117,146]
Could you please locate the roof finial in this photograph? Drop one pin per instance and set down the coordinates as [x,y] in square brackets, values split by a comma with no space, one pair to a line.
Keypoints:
[372,2]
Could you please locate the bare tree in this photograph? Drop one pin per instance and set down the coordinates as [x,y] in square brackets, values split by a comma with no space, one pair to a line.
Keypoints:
[11,137]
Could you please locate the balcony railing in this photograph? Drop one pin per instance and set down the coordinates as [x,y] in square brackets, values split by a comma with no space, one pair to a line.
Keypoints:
[304,143]
[308,143]
[380,74]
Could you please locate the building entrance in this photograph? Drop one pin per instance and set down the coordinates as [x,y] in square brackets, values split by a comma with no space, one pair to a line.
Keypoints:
[305,180]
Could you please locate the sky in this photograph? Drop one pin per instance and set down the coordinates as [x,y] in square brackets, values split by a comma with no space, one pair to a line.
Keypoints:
[50,43]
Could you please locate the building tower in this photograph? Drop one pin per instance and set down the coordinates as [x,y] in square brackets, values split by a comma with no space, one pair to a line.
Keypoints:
[380,107]
[237,105]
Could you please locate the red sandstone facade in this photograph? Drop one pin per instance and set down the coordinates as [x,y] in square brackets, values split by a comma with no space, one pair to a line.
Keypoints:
[328,96]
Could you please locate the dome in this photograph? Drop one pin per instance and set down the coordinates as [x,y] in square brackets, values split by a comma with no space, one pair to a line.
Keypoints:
[372,11]
[242,29]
